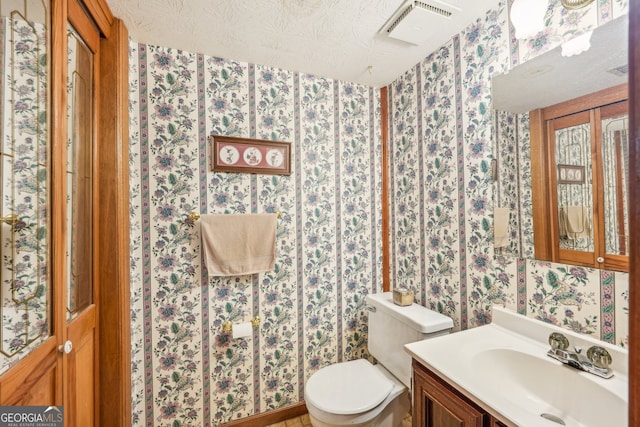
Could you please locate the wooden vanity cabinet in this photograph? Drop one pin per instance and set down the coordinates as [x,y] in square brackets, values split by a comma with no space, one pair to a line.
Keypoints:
[438,404]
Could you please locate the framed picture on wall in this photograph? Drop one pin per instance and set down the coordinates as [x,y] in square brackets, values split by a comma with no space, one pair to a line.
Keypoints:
[247,155]
[570,174]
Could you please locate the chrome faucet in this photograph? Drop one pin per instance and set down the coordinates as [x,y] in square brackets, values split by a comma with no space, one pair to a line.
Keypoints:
[596,361]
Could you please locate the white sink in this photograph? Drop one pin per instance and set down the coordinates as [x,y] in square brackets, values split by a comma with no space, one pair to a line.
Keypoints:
[504,368]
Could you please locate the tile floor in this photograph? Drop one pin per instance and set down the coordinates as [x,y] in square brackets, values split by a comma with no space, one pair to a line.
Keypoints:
[304,421]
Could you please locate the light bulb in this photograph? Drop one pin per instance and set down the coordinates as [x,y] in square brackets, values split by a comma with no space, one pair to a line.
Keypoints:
[577,45]
[527,17]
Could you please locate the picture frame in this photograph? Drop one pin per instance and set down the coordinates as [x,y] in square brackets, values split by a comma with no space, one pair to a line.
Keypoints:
[248,155]
[571,174]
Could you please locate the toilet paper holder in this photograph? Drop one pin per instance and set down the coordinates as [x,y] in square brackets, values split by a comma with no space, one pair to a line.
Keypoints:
[227,326]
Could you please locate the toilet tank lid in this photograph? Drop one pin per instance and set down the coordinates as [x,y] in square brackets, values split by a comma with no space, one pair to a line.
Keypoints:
[416,316]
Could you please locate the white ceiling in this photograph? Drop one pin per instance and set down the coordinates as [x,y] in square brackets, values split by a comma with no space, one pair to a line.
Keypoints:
[339,39]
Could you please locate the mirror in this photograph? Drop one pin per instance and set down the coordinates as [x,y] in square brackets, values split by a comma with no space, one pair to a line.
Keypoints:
[24,63]
[543,81]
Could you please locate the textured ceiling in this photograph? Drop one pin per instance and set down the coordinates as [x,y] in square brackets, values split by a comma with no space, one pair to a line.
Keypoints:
[551,78]
[339,39]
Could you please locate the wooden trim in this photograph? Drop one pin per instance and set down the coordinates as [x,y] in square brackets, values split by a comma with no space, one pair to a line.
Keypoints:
[597,195]
[101,14]
[78,18]
[384,129]
[539,192]
[619,193]
[587,102]
[114,268]
[616,263]
[271,417]
[19,381]
[569,256]
[58,187]
[634,213]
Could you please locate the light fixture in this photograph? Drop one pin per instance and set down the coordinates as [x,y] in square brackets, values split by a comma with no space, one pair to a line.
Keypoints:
[577,45]
[527,17]
[575,4]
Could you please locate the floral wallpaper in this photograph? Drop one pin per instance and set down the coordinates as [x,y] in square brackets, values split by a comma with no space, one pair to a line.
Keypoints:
[186,370]
[442,192]
[23,153]
[512,184]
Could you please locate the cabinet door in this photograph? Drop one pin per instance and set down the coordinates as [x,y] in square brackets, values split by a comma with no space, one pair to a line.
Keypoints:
[436,405]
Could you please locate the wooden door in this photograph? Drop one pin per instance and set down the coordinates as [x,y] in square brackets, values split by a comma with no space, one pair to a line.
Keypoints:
[34,368]
[81,373]
[30,331]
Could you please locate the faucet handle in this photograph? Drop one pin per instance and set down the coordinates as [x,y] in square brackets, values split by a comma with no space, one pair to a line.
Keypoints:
[558,341]
[599,357]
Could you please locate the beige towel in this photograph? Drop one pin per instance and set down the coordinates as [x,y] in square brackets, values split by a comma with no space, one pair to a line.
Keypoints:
[501,227]
[574,222]
[238,244]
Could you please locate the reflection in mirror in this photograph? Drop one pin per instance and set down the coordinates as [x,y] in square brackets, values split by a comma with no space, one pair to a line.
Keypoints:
[546,80]
[512,185]
[23,169]
[79,174]
[615,151]
[575,183]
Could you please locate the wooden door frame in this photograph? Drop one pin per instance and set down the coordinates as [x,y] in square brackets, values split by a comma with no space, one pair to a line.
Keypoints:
[113,267]
[112,175]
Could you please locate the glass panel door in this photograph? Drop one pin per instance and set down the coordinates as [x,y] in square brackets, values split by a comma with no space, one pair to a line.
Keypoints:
[24,247]
[615,165]
[574,186]
[79,175]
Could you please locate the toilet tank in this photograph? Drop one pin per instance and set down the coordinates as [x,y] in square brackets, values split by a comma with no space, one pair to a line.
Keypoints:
[392,326]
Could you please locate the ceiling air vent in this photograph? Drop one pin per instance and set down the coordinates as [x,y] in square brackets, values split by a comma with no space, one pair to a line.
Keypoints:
[416,21]
[620,71]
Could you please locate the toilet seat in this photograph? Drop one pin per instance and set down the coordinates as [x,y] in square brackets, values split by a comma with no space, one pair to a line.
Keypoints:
[348,387]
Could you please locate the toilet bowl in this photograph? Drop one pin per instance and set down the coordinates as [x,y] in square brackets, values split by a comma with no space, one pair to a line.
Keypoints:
[355,393]
[359,394]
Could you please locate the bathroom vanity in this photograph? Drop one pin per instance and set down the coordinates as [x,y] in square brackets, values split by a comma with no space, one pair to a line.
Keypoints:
[502,374]
[436,403]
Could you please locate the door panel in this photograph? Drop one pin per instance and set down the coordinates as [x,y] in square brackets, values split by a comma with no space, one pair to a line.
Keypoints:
[79,174]
[29,360]
[64,219]
[82,78]
[34,381]
[81,363]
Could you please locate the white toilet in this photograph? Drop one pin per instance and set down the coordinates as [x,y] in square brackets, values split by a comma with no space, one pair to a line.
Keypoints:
[358,393]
